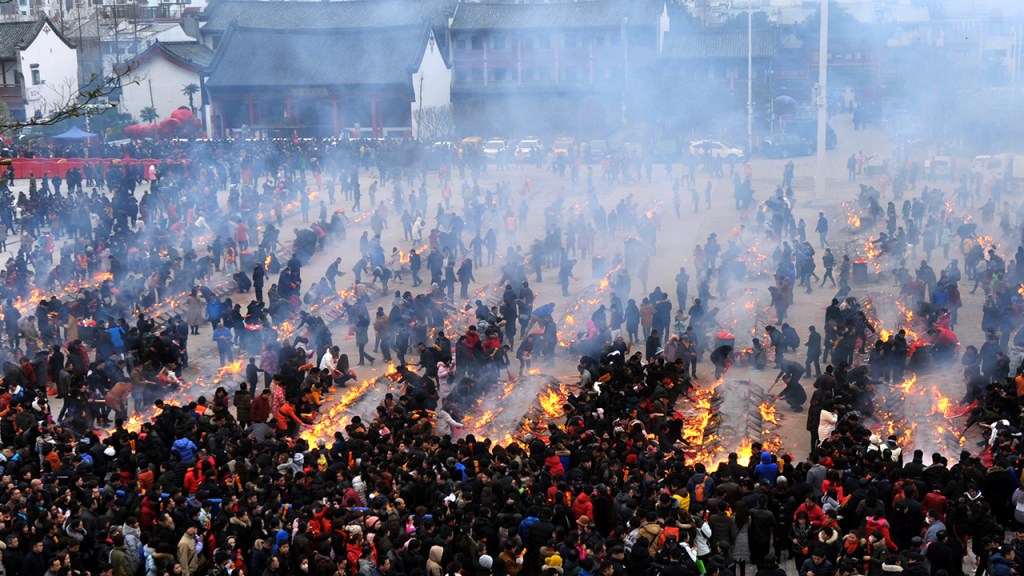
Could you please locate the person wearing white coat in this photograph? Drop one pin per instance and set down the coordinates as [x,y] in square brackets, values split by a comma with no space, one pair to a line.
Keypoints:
[827,421]
[445,423]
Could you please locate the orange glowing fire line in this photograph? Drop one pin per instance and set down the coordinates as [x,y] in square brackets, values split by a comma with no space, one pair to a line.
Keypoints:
[335,418]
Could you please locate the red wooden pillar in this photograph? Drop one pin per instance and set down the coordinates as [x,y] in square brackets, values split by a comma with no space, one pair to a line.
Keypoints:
[334,115]
[287,107]
[252,119]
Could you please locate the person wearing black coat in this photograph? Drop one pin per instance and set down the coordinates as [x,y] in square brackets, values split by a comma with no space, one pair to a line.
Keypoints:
[539,535]
[34,563]
[940,555]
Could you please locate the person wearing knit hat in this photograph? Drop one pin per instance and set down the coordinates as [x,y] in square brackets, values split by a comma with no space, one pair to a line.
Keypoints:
[486,562]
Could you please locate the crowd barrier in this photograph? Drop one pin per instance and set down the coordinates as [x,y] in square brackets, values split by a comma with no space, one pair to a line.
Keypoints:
[27,167]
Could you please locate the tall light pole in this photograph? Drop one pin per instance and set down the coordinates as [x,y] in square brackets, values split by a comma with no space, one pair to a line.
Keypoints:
[822,96]
[750,79]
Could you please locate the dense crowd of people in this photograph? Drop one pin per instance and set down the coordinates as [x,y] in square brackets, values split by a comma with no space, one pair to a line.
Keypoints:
[139,474]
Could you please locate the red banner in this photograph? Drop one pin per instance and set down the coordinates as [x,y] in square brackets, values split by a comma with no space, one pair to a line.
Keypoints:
[37,167]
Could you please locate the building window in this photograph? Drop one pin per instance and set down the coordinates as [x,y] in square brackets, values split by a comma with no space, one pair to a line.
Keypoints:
[477,75]
[527,43]
[476,43]
[499,74]
[36,80]
[571,40]
[461,75]
[569,75]
[599,41]
[460,44]
[544,74]
[498,42]
[529,75]
[544,41]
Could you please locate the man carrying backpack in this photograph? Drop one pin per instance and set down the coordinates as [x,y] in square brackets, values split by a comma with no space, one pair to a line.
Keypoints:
[701,487]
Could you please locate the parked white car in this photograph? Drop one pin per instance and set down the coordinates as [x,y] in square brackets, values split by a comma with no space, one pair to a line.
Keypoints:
[715,149]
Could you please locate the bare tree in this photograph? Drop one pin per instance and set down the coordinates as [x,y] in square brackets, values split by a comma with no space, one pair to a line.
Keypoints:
[434,122]
[75,102]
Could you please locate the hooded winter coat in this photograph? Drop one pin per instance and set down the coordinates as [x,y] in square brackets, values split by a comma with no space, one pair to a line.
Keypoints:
[434,561]
[582,506]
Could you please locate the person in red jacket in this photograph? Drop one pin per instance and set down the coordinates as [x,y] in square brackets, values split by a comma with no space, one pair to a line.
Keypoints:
[934,500]
[259,410]
[288,421]
[815,515]
[472,337]
[193,478]
[554,464]
[150,508]
[582,506]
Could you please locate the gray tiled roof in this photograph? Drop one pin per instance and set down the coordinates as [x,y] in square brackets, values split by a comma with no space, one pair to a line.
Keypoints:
[193,53]
[718,45]
[582,14]
[250,58]
[16,35]
[220,14]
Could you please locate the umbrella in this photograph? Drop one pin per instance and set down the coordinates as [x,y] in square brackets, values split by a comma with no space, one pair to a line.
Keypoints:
[784,100]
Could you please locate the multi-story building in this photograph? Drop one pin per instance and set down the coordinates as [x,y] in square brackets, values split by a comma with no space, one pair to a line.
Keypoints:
[324,68]
[577,67]
[38,68]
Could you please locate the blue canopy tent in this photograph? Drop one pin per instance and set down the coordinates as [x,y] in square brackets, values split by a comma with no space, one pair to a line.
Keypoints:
[74,133]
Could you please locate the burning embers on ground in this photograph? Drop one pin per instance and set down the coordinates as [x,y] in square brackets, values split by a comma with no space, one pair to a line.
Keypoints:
[920,417]
[726,418]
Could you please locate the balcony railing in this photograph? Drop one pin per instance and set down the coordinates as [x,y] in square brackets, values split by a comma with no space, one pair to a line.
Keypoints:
[10,92]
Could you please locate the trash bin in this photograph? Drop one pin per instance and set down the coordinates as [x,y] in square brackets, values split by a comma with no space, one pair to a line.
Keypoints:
[599,268]
[860,271]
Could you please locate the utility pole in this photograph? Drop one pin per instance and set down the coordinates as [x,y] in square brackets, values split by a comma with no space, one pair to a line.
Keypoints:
[819,172]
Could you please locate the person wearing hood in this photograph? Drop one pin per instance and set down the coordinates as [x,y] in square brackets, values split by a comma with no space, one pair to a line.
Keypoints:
[768,470]
[132,543]
[434,561]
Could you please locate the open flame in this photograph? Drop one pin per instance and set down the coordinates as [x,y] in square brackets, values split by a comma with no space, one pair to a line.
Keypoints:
[768,413]
[336,417]
[232,368]
[391,372]
[550,404]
